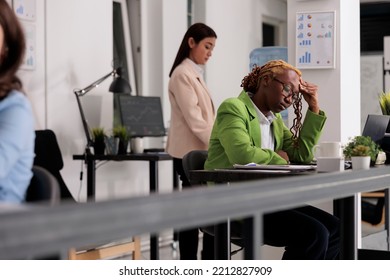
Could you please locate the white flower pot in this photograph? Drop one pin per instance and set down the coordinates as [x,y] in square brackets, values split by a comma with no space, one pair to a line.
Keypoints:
[361,162]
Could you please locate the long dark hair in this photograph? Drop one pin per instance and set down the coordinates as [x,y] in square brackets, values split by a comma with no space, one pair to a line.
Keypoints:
[11,56]
[198,31]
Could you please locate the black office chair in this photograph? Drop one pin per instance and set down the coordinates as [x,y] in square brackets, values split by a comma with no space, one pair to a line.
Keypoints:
[373,204]
[195,160]
[43,188]
[48,155]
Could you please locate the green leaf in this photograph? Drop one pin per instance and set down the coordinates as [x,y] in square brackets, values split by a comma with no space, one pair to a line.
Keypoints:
[384,102]
[361,146]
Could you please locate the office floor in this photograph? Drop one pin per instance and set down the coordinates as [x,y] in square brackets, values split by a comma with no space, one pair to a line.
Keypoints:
[373,238]
[169,250]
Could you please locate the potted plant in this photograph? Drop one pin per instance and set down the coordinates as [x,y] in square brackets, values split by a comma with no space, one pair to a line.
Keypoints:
[384,102]
[98,135]
[361,149]
[120,132]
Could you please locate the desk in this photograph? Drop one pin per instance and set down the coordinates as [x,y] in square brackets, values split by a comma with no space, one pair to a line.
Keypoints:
[234,175]
[344,208]
[153,159]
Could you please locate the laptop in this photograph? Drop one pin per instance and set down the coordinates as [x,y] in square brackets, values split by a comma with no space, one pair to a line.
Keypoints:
[378,128]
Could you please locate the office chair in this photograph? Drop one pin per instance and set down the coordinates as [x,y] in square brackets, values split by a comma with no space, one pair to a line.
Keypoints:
[373,204]
[195,160]
[48,155]
[43,188]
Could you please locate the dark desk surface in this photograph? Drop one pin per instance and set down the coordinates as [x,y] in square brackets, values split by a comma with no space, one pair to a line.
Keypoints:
[229,175]
[143,156]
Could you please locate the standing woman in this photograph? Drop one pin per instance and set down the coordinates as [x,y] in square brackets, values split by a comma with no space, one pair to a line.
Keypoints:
[17,133]
[192,111]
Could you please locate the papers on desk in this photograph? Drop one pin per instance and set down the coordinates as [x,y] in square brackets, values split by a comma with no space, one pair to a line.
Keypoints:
[290,167]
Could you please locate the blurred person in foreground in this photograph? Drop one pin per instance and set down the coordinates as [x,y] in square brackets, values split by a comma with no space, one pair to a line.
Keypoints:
[17,134]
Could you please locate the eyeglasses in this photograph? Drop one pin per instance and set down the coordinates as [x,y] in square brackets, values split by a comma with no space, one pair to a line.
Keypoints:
[287,89]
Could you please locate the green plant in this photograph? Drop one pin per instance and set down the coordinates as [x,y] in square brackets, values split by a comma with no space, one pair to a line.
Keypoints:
[120,132]
[361,146]
[98,134]
[361,151]
[384,102]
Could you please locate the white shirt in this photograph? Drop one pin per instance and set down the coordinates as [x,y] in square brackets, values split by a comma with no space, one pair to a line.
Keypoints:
[267,136]
[197,67]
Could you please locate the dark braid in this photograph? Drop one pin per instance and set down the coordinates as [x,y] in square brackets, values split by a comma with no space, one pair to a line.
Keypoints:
[297,122]
[251,83]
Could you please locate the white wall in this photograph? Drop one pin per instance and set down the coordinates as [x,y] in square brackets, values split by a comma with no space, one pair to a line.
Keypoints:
[174,26]
[371,85]
[339,88]
[239,29]
[34,80]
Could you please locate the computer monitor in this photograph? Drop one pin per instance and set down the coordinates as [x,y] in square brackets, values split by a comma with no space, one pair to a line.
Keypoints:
[378,128]
[142,115]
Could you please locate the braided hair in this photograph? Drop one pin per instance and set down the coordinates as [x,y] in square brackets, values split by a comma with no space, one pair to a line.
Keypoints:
[251,83]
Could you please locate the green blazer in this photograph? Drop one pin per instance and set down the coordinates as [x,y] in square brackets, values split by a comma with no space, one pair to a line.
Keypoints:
[236,136]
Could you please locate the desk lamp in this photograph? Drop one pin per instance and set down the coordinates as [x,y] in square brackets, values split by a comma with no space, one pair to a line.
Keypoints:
[119,85]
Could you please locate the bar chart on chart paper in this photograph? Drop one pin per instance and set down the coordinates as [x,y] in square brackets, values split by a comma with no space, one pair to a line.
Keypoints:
[315,40]
[306,58]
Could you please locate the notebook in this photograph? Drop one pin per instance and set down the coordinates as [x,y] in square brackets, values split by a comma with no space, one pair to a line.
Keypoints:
[290,167]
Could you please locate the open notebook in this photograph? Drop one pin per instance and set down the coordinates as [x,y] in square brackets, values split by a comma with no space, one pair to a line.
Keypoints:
[291,167]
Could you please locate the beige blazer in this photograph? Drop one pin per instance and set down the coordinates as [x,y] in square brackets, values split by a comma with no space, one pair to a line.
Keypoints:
[192,111]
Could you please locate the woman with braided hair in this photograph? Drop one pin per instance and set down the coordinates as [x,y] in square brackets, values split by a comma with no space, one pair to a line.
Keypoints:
[249,128]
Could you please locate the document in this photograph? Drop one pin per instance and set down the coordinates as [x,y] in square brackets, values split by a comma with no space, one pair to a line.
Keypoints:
[290,167]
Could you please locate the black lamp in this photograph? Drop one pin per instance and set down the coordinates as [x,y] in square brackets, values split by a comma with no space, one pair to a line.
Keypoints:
[119,85]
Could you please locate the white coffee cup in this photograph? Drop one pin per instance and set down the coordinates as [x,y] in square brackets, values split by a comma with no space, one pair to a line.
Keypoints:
[330,164]
[328,149]
[137,145]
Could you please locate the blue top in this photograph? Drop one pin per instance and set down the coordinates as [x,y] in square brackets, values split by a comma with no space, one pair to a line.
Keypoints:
[17,138]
